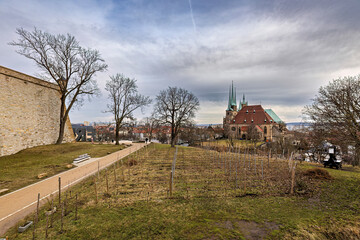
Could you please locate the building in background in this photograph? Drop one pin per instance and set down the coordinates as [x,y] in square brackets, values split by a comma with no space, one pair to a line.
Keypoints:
[250,121]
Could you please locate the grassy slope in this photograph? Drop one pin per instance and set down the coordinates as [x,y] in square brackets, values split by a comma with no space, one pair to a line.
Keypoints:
[331,212]
[22,168]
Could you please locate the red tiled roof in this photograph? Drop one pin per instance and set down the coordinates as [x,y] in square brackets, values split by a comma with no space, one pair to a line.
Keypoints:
[247,116]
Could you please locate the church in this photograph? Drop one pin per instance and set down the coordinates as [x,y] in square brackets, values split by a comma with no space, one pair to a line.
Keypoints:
[243,121]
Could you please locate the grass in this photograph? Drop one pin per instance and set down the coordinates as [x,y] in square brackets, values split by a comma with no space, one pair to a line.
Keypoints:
[138,205]
[21,169]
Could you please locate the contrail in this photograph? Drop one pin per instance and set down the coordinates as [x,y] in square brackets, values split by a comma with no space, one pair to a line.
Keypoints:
[192,16]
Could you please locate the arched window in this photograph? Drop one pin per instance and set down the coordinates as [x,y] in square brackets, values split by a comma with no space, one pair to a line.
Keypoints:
[265,130]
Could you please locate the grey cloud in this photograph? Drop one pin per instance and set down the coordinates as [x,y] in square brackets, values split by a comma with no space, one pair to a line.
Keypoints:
[276,52]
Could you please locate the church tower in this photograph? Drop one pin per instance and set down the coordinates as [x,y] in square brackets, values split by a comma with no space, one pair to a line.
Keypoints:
[231,110]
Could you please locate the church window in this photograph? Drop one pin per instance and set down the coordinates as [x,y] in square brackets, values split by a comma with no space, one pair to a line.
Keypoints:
[247,111]
[265,130]
[254,110]
[252,120]
[244,120]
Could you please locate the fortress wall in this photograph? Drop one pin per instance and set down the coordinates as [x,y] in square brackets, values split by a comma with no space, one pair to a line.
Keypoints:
[29,112]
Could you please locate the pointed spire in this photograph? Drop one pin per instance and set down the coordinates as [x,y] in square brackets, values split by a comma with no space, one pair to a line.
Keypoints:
[229,103]
[243,103]
[233,95]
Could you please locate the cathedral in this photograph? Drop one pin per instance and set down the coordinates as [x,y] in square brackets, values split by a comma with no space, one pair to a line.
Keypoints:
[247,121]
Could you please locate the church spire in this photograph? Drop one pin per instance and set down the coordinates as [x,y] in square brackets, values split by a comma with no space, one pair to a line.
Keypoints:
[233,95]
[243,103]
[229,102]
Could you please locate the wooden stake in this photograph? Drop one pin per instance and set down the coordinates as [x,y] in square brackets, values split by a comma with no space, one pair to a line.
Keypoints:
[47,226]
[33,237]
[98,169]
[96,195]
[76,206]
[62,218]
[170,184]
[107,181]
[37,208]
[292,179]
[65,204]
[59,191]
[51,216]
[115,182]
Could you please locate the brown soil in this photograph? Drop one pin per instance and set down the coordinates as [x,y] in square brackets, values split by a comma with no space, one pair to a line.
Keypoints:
[318,173]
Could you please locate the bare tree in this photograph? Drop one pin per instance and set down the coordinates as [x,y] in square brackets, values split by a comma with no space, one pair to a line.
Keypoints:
[65,62]
[151,124]
[337,109]
[253,134]
[125,99]
[175,107]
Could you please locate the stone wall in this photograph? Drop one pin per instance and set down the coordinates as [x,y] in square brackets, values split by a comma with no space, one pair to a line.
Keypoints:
[29,112]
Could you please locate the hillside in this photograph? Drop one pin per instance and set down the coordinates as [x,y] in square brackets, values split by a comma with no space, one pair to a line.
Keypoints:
[214,195]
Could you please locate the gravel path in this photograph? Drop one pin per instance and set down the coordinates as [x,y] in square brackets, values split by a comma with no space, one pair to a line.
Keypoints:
[16,205]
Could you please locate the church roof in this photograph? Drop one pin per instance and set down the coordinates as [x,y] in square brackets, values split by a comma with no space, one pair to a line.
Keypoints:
[253,114]
[273,115]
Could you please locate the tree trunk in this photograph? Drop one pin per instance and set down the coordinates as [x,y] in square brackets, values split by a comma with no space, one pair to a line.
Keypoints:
[62,121]
[61,131]
[173,140]
[356,161]
[117,129]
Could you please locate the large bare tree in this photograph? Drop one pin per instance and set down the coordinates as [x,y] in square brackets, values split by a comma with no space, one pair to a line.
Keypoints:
[175,107]
[336,109]
[64,61]
[124,100]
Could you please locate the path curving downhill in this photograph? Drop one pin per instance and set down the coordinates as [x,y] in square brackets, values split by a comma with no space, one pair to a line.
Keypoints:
[16,205]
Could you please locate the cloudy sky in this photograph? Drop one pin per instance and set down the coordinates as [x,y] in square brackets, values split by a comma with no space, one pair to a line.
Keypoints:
[277,52]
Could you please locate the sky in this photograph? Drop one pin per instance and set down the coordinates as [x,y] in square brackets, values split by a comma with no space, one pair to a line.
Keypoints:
[277,52]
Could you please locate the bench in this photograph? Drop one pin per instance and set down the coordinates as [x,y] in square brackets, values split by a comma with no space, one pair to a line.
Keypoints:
[81,158]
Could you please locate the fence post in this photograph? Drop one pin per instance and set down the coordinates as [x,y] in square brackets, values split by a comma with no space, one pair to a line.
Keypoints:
[292,179]
[98,169]
[76,206]
[170,184]
[96,195]
[37,208]
[59,191]
[62,218]
[255,160]
[107,181]
[52,208]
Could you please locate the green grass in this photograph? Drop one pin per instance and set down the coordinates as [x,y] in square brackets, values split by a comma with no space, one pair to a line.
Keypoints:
[330,209]
[21,169]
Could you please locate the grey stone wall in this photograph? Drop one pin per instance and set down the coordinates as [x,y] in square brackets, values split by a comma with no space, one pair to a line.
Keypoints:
[29,112]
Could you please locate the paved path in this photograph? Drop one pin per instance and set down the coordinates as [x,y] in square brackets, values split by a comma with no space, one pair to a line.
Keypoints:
[16,205]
